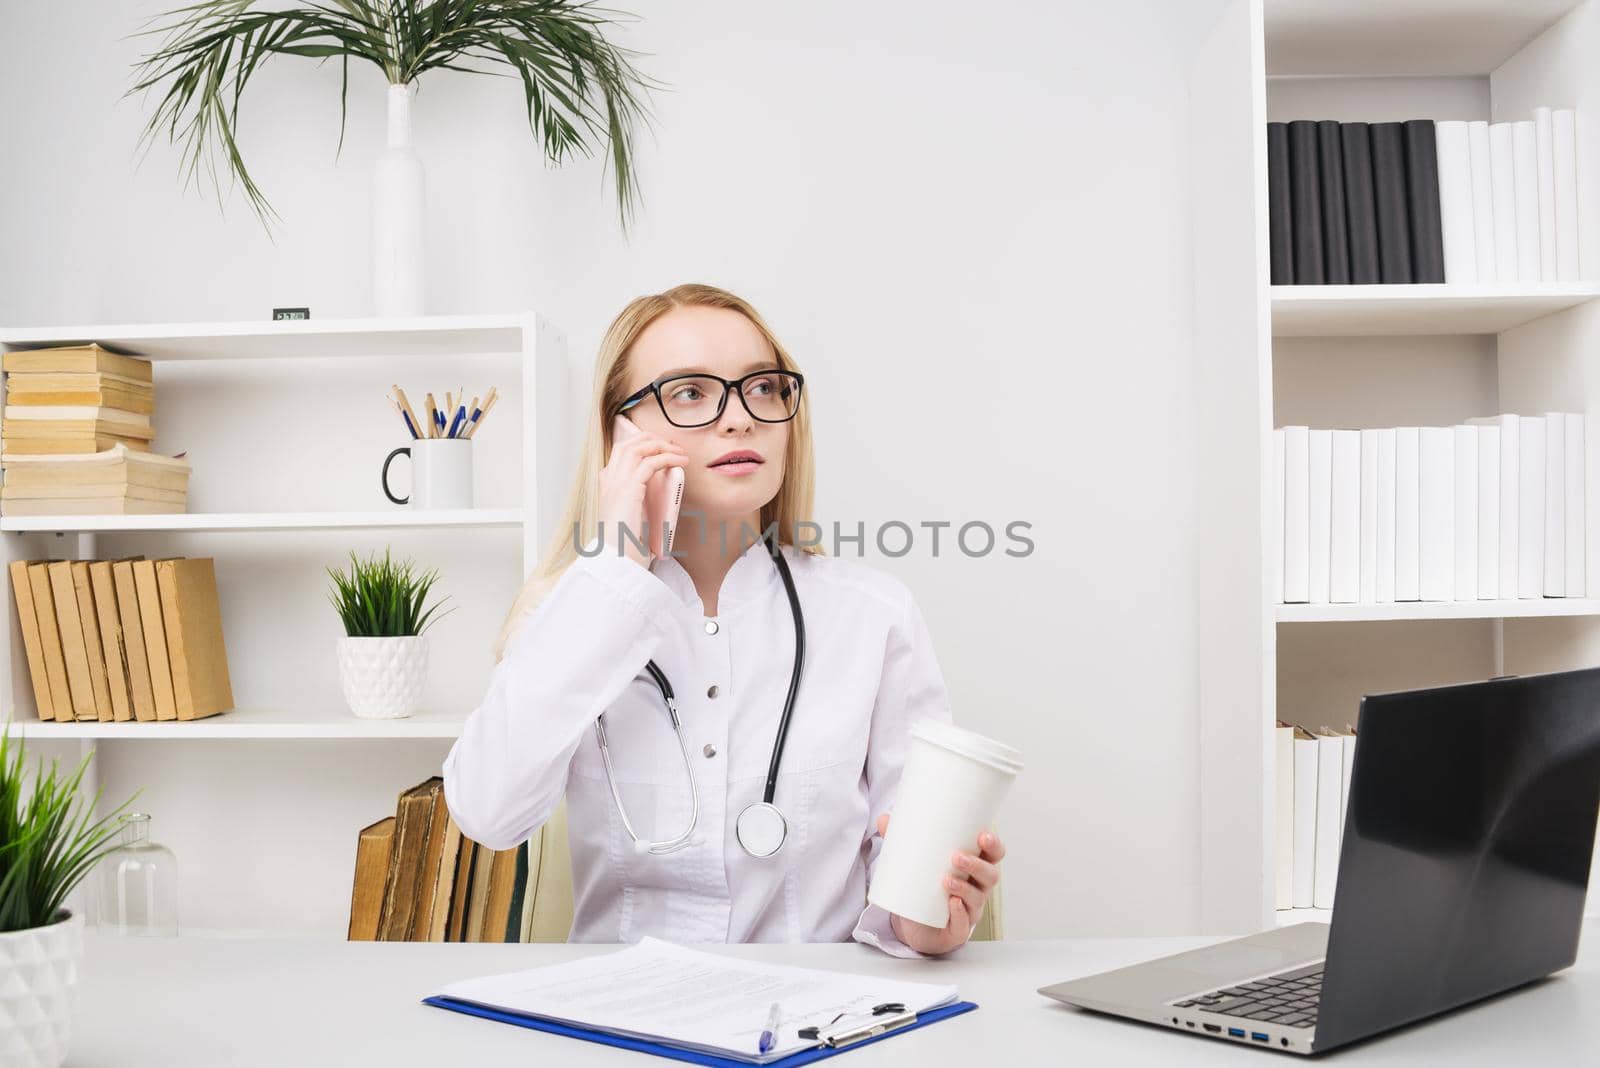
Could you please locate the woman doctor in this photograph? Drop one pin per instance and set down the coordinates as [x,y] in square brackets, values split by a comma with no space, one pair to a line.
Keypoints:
[701,376]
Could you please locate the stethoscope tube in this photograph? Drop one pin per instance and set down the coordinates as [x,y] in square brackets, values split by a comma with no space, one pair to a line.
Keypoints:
[765,835]
[794,676]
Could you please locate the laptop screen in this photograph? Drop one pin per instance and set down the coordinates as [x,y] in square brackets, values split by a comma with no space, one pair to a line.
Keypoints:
[1467,845]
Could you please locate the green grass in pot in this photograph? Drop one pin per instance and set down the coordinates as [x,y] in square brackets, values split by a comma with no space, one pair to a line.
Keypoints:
[49,838]
[383,598]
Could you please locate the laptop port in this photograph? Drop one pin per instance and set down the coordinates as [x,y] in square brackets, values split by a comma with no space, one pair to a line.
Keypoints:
[1235,1032]
[1213,1028]
[1259,1036]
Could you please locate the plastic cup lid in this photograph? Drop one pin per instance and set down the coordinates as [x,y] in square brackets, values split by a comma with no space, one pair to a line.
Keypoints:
[968,744]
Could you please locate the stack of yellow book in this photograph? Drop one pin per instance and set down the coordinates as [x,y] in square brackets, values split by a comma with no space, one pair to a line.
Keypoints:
[115,640]
[76,431]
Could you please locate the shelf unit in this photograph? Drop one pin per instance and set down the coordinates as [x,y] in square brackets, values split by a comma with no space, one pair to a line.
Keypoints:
[286,426]
[1352,356]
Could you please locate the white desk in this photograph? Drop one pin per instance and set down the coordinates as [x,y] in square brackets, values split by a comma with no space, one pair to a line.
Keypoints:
[205,1001]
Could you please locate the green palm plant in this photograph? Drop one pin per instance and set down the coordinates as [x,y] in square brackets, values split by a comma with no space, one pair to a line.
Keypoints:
[577,84]
[49,838]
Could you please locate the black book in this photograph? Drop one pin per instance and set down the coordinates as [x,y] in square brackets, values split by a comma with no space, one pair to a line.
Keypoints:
[1279,213]
[1422,198]
[1389,196]
[1305,197]
[1335,230]
[1356,141]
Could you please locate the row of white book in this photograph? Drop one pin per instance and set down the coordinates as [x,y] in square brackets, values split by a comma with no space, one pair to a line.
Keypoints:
[1313,787]
[1508,198]
[1495,508]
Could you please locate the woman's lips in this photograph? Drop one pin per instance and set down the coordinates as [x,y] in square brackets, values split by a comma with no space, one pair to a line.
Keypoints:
[737,467]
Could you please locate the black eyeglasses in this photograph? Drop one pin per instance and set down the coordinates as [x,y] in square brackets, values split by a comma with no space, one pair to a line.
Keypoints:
[699,399]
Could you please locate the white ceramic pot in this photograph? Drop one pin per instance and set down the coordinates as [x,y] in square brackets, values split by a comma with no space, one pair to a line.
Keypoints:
[397,215]
[383,677]
[38,987]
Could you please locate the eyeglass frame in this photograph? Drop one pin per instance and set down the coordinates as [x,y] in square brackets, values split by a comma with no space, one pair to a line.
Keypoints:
[727,386]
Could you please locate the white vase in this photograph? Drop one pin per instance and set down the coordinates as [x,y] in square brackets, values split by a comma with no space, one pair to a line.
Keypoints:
[397,216]
[382,677]
[38,987]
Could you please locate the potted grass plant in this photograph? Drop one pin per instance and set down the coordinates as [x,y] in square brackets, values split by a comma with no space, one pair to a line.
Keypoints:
[49,841]
[582,92]
[383,653]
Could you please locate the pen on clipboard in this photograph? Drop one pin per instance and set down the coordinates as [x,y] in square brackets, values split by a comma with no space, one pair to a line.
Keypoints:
[769,1033]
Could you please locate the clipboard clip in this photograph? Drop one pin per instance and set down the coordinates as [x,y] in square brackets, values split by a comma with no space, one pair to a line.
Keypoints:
[882,1019]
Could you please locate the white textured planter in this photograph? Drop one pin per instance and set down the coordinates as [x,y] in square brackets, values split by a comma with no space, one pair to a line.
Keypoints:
[383,677]
[38,987]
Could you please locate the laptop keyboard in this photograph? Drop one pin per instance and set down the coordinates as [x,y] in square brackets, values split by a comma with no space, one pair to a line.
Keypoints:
[1289,998]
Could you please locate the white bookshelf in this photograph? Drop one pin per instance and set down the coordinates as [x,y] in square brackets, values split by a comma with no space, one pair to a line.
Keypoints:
[286,427]
[1393,310]
[331,722]
[1533,608]
[1355,356]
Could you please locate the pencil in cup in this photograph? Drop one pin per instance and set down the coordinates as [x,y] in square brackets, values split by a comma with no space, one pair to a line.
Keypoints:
[479,415]
[413,424]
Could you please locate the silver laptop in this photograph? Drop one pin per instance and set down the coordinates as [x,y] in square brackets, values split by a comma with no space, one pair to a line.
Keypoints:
[1463,870]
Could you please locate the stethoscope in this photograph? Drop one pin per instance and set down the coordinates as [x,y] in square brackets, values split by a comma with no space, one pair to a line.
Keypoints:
[761,827]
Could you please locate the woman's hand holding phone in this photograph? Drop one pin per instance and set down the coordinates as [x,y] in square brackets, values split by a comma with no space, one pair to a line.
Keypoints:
[636,457]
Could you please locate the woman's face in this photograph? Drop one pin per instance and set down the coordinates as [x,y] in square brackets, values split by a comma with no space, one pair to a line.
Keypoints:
[722,342]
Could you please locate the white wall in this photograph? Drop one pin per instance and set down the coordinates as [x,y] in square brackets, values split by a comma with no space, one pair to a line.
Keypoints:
[971,232]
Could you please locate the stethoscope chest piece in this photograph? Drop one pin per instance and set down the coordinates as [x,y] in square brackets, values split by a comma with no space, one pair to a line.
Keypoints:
[761,829]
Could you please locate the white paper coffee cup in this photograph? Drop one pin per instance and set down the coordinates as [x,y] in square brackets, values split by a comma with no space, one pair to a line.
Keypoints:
[950,791]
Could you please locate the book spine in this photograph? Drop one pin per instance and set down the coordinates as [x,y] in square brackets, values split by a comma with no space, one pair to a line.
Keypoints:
[1390,202]
[1544,142]
[1555,505]
[1367,591]
[1305,192]
[1436,514]
[1488,513]
[1335,227]
[1297,515]
[1423,202]
[1280,212]
[1465,533]
[1564,161]
[1386,508]
[1344,543]
[1305,821]
[1279,505]
[1361,210]
[1407,513]
[1454,166]
[1503,191]
[1577,505]
[1321,455]
[1330,774]
[1530,528]
[1525,165]
[1482,199]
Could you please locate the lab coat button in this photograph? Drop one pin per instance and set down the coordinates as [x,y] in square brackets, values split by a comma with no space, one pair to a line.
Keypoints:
[711,626]
[710,751]
[713,691]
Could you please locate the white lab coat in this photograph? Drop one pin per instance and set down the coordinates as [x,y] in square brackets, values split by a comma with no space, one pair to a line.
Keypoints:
[869,673]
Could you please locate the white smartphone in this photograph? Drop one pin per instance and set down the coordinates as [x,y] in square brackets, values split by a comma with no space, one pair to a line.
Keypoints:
[662,495]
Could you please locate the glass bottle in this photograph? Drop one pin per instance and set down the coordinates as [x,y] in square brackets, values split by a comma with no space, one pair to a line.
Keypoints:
[139,884]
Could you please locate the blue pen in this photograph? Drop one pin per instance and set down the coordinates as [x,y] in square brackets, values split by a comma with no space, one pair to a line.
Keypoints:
[409,425]
[769,1034]
[456,422]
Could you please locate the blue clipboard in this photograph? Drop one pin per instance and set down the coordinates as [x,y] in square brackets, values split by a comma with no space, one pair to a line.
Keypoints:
[659,1050]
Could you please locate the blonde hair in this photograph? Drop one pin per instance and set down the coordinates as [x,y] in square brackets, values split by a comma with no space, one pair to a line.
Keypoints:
[791,506]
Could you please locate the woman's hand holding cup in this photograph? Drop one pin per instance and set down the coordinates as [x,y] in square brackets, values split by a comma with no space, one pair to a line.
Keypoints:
[977,876]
